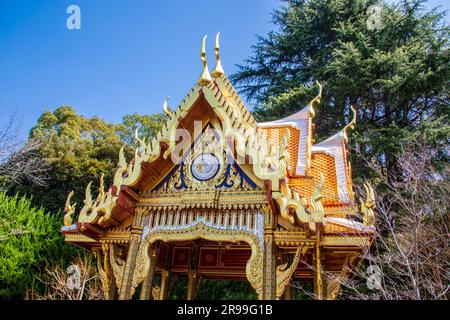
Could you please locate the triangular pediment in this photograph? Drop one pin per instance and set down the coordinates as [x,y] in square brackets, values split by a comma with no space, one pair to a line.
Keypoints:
[206,165]
[216,103]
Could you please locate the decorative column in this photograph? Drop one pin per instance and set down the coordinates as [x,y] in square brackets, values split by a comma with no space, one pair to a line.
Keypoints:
[193,278]
[269,266]
[105,271]
[136,235]
[147,285]
[165,284]
[193,281]
[318,282]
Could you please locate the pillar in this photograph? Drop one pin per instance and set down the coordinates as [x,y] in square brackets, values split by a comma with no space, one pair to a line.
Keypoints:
[193,281]
[135,241]
[269,266]
[165,285]
[193,277]
[318,281]
[147,285]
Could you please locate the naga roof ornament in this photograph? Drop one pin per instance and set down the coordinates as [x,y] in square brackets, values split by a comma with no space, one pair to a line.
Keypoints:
[351,124]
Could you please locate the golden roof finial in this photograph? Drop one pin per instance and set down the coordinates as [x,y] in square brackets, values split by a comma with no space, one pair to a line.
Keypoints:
[218,70]
[205,77]
[69,209]
[317,99]
[101,190]
[351,124]
[167,111]
[368,206]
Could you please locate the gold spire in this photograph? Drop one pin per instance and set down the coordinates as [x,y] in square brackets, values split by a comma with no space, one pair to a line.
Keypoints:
[317,99]
[218,70]
[351,124]
[205,77]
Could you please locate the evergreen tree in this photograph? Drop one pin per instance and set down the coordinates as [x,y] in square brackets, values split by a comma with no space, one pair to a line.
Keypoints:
[29,239]
[395,71]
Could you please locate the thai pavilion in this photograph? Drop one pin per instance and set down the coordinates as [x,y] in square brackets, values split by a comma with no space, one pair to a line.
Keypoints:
[217,195]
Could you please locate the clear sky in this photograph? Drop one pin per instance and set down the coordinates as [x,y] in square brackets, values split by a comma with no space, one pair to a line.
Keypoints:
[127,56]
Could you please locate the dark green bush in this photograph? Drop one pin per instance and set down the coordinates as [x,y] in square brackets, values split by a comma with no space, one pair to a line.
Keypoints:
[29,239]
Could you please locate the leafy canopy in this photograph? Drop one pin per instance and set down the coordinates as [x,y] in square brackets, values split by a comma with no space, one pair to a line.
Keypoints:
[79,150]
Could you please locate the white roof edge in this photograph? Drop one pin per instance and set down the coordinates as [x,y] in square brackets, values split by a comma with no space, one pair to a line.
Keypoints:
[333,141]
[333,147]
[274,124]
[293,119]
[350,223]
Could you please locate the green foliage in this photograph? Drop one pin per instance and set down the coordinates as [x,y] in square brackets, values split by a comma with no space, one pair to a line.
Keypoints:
[225,290]
[79,149]
[215,290]
[148,126]
[397,75]
[29,237]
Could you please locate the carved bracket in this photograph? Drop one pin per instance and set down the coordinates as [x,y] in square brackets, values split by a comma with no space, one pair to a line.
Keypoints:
[284,273]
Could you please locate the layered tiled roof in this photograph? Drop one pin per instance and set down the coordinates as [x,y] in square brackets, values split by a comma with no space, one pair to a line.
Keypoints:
[308,161]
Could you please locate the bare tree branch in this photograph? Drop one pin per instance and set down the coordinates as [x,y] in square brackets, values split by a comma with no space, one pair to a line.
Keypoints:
[411,248]
[19,160]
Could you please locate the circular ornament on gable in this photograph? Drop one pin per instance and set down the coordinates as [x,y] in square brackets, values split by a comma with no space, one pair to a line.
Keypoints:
[205,166]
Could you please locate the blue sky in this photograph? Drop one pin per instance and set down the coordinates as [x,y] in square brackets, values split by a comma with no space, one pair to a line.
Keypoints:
[128,55]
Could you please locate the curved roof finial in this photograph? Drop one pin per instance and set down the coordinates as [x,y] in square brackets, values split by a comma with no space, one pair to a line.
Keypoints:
[218,70]
[167,111]
[317,100]
[351,124]
[205,77]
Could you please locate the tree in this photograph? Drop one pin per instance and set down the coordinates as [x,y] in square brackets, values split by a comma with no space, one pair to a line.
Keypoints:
[396,74]
[410,256]
[18,160]
[55,278]
[78,150]
[29,238]
[148,126]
